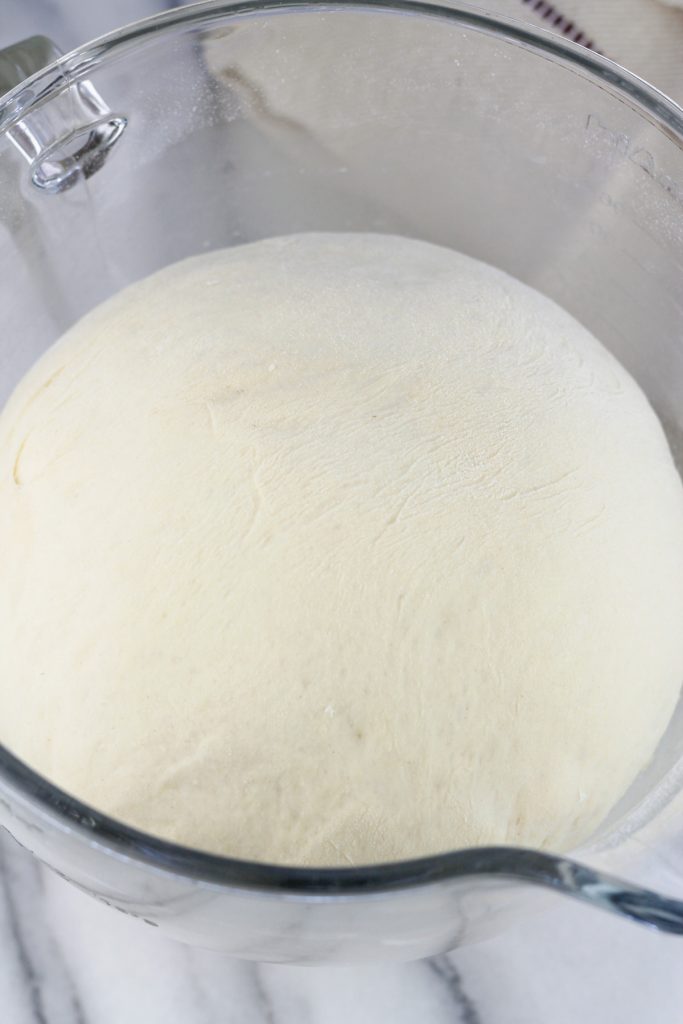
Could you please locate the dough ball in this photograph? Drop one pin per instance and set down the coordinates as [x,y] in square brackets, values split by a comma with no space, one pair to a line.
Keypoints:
[337,549]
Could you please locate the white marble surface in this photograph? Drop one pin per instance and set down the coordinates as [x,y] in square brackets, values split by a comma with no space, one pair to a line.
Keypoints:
[65,959]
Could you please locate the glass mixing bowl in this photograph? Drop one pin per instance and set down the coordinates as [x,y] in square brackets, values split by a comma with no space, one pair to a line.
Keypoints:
[223,123]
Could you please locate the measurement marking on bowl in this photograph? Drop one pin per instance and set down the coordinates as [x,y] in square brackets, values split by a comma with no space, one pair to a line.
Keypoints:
[625,149]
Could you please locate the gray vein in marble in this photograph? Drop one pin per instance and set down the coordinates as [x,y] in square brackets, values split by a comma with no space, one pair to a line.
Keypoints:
[32,988]
[262,995]
[446,971]
[48,984]
[204,1007]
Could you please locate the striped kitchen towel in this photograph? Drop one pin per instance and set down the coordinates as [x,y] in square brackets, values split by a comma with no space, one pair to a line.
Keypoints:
[645,36]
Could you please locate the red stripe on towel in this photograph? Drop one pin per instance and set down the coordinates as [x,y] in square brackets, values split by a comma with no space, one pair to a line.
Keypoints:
[550,13]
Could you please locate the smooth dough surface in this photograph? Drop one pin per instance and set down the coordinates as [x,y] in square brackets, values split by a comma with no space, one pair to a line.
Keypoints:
[334,549]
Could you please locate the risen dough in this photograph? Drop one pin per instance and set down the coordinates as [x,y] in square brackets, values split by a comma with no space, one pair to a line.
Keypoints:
[336,549]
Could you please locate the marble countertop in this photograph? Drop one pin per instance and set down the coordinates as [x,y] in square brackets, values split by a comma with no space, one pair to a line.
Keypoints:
[65,959]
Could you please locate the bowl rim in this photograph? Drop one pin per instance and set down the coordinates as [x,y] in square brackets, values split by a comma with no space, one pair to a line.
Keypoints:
[513,863]
[40,87]
[482,864]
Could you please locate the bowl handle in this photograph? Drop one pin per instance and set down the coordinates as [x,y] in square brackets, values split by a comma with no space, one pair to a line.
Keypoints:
[68,139]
